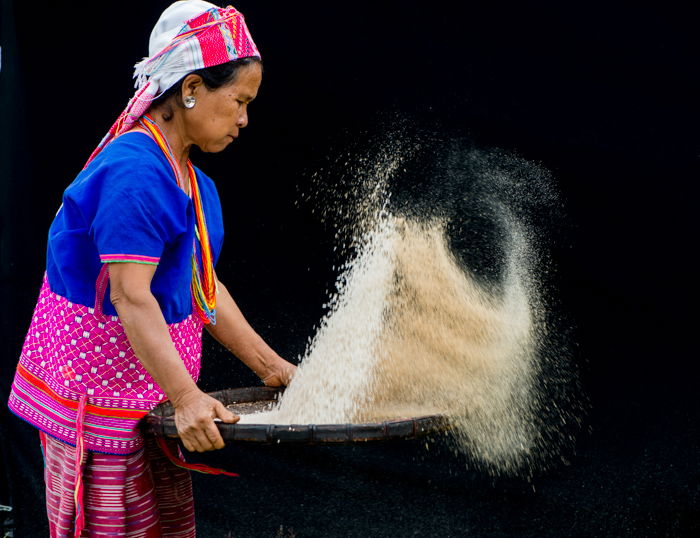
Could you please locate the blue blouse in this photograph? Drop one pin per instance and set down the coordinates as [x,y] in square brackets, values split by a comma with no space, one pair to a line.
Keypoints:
[126,206]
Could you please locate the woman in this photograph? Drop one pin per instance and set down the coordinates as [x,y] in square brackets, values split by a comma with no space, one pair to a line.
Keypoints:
[130,283]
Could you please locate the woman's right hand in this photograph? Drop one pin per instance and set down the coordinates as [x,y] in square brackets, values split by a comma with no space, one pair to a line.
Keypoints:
[145,327]
[195,412]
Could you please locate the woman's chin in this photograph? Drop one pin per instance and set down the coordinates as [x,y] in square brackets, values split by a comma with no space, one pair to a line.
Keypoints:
[217,147]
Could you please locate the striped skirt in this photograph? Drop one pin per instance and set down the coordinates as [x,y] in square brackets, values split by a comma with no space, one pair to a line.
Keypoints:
[139,495]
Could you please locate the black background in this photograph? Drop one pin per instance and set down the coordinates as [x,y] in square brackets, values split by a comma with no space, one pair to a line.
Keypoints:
[604,96]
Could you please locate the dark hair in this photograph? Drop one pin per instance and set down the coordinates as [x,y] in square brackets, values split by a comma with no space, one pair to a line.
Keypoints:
[213,77]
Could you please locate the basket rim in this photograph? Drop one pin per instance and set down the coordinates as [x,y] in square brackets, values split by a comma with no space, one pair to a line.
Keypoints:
[161,422]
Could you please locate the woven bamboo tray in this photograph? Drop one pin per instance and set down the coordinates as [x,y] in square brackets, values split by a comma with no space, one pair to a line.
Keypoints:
[161,422]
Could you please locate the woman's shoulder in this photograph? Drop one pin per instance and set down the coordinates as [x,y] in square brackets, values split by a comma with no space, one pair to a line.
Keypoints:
[133,150]
[132,163]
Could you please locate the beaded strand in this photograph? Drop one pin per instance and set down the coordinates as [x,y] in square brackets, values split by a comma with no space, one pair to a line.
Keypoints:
[203,279]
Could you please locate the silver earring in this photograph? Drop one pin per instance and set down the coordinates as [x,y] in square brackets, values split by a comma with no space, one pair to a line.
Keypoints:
[190,101]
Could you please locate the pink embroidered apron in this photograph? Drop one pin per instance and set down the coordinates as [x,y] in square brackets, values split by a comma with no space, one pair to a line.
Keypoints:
[78,378]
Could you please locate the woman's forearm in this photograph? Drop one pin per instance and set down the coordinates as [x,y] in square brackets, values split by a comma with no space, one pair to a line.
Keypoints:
[234,332]
[148,335]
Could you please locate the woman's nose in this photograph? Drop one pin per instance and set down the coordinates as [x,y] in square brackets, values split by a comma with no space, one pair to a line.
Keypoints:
[242,119]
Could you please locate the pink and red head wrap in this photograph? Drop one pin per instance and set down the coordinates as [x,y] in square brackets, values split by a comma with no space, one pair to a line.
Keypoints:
[190,35]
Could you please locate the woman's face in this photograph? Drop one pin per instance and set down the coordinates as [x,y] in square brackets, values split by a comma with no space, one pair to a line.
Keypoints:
[213,123]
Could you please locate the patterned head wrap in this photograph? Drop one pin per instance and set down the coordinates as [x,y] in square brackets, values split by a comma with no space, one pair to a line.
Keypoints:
[190,35]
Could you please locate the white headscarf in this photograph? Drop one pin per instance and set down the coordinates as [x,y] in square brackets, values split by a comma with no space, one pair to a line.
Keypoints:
[169,25]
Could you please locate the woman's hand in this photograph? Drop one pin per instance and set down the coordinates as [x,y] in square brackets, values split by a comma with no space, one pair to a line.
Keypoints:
[195,412]
[280,372]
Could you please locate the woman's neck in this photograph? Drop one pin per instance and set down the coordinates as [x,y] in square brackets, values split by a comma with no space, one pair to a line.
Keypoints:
[174,134]
[179,148]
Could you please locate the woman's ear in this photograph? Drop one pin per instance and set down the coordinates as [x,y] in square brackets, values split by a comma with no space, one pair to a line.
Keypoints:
[190,85]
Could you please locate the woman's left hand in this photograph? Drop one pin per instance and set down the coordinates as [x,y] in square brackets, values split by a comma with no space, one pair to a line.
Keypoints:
[279,373]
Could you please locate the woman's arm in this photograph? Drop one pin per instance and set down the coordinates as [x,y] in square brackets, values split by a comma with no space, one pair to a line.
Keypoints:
[234,332]
[148,335]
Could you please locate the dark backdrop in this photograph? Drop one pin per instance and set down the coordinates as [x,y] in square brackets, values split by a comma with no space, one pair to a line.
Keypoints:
[604,96]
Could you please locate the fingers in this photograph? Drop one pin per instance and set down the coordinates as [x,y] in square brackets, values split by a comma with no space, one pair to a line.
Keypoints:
[195,439]
[289,373]
[191,442]
[224,414]
[286,372]
[279,373]
[201,440]
[206,437]
[187,444]
[210,438]
[213,437]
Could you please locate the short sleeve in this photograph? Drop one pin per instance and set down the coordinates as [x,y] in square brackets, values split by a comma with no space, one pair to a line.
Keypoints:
[139,211]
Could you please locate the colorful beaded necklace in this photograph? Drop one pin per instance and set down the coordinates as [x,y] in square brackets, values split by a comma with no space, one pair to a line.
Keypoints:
[203,280]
